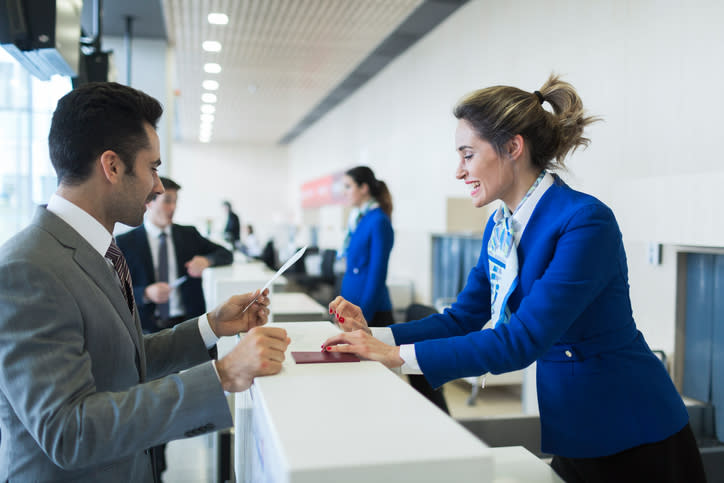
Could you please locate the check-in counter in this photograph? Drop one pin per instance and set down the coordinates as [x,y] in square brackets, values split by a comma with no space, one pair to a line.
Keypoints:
[358,422]
[354,422]
[296,307]
[220,283]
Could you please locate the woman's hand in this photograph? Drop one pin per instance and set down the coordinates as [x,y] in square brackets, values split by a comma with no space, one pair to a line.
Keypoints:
[349,316]
[364,345]
[230,318]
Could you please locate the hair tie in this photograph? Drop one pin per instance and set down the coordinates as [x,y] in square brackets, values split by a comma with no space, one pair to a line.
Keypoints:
[540,96]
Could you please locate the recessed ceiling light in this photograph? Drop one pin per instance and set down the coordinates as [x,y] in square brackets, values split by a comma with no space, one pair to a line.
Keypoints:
[211,46]
[210,85]
[218,18]
[208,109]
[207,118]
[212,68]
[208,97]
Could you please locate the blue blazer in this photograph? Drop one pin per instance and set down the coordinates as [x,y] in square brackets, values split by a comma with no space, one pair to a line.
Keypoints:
[188,243]
[368,255]
[600,388]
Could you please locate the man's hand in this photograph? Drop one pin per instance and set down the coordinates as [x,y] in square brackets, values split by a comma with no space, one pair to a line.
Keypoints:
[197,265]
[259,353]
[348,315]
[158,292]
[230,318]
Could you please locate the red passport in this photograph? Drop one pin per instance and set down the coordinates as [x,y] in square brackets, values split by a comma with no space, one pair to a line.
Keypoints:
[316,357]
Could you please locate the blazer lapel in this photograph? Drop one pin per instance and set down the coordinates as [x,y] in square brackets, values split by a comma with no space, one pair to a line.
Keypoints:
[95,266]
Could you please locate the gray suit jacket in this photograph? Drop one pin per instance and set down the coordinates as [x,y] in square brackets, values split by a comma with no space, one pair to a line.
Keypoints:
[83,393]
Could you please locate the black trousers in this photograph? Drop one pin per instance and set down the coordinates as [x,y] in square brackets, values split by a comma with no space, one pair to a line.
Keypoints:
[382,319]
[673,460]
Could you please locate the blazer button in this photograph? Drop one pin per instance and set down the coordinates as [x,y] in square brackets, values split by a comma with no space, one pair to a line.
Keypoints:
[569,354]
[355,270]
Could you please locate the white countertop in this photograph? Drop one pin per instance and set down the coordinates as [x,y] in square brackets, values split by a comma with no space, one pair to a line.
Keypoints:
[352,422]
[296,306]
[358,422]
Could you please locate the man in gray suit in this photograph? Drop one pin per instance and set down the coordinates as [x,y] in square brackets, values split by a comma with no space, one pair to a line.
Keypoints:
[83,393]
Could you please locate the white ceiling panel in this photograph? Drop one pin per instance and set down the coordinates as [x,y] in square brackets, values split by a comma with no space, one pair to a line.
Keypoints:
[279,58]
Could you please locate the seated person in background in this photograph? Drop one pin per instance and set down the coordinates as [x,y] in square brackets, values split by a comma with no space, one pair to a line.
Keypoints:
[159,254]
[251,246]
[552,280]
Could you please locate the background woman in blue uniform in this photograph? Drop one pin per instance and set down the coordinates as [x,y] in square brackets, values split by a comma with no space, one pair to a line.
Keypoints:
[552,278]
[367,245]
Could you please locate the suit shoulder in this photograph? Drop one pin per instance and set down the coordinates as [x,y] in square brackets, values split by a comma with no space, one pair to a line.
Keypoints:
[130,234]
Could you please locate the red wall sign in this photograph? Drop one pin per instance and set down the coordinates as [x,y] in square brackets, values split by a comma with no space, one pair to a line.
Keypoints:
[327,190]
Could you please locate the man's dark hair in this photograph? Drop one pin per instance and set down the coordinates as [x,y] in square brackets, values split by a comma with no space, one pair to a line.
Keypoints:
[97,117]
[168,184]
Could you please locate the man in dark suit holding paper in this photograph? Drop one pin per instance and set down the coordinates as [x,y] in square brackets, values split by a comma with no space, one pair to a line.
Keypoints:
[165,299]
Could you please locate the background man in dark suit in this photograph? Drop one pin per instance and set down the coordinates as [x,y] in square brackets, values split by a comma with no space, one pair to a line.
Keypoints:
[160,303]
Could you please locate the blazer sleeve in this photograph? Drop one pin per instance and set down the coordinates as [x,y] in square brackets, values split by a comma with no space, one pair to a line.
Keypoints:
[217,255]
[47,378]
[585,259]
[381,241]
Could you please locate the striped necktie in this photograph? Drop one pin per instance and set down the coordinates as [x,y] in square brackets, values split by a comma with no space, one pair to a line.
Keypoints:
[119,263]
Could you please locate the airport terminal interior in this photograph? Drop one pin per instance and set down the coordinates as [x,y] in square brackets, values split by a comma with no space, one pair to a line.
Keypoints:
[267,106]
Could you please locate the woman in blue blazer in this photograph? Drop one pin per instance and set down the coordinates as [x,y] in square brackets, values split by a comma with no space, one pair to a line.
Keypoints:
[367,245]
[552,279]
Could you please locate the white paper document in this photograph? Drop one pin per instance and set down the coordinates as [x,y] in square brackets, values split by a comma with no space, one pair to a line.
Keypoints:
[178,281]
[283,269]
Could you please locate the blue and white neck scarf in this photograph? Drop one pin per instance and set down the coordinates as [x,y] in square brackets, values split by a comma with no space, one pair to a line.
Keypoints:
[503,257]
[354,218]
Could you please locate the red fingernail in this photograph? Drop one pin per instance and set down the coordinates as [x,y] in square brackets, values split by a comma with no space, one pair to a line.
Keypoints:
[328,349]
[331,311]
[341,320]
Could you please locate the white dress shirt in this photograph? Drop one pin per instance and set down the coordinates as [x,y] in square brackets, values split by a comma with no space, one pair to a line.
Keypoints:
[153,233]
[520,221]
[98,237]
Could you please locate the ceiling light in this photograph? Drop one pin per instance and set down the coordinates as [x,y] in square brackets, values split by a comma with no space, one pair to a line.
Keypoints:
[207,118]
[208,97]
[208,109]
[218,18]
[210,85]
[212,68]
[211,46]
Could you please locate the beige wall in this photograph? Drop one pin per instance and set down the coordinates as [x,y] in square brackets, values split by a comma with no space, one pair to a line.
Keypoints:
[651,68]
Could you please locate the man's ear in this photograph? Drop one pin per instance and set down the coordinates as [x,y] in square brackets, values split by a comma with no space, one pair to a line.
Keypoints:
[111,166]
[515,146]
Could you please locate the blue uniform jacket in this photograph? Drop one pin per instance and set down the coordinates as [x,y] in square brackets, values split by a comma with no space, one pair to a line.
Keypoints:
[600,388]
[368,255]
[188,243]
